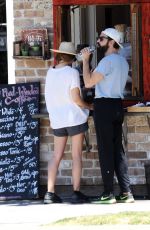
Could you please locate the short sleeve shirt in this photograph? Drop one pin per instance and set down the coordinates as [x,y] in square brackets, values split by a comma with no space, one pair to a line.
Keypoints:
[63,112]
[114,69]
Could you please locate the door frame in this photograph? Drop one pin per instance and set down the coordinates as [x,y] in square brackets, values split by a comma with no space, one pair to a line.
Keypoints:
[10,39]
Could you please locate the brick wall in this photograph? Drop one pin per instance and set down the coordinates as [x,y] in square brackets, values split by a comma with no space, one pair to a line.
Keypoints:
[138,147]
[38,13]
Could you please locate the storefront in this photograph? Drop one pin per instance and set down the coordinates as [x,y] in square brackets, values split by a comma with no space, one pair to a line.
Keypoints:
[81,21]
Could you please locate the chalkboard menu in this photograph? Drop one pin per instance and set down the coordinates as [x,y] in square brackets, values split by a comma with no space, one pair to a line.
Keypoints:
[19,141]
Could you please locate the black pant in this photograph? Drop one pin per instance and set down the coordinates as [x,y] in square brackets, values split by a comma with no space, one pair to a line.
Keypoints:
[108,118]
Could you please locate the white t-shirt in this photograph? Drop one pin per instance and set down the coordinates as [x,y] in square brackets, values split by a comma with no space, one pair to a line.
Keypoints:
[63,112]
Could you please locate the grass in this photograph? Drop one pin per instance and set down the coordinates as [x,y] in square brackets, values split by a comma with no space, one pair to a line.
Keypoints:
[131,218]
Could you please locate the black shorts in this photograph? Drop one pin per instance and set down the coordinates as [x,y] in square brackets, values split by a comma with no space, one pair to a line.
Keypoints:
[71,131]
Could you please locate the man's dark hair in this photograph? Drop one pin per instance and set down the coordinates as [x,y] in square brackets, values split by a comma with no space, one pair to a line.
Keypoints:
[116,46]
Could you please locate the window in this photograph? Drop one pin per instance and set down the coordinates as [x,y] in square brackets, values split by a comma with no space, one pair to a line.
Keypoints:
[82,24]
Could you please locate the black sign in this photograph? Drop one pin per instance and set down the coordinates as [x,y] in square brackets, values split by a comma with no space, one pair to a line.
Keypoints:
[19,141]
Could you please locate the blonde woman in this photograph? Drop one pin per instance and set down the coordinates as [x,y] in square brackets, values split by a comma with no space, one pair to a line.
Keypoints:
[68,115]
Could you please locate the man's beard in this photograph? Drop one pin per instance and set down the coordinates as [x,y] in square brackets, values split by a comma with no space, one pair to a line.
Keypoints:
[103,49]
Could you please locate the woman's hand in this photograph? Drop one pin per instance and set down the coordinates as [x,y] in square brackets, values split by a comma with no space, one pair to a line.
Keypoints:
[76,97]
[91,106]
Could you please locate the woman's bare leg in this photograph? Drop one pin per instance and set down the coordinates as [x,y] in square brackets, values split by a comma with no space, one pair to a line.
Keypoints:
[53,164]
[77,144]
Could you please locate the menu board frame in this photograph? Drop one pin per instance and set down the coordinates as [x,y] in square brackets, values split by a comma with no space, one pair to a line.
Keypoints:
[19,141]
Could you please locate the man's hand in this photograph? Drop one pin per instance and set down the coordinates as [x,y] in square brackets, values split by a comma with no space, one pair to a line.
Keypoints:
[85,54]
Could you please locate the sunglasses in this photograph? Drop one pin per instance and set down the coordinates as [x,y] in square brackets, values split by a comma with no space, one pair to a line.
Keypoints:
[101,38]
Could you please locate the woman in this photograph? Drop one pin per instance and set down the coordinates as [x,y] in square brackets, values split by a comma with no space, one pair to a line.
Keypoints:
[68,115]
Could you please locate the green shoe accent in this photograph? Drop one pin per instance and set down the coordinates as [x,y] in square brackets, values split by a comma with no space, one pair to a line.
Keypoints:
[125,198]
[112,201]
[105,199]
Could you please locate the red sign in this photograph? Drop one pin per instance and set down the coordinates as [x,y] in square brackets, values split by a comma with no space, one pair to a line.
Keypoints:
[34,35]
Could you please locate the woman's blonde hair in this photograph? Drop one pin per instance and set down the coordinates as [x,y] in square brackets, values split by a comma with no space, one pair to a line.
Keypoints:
[65,57]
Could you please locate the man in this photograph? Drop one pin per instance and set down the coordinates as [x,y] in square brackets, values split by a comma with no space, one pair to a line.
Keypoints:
[109,79]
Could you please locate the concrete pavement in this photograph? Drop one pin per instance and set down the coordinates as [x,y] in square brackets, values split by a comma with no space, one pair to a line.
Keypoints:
[35,215]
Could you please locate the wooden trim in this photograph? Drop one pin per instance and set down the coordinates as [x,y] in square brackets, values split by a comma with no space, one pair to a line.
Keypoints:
[135,49]
[29,57]
[91,2]
[145,46]
[57,27]
[54,26]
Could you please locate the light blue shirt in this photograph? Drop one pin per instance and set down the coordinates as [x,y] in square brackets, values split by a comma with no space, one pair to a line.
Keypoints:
[114,69]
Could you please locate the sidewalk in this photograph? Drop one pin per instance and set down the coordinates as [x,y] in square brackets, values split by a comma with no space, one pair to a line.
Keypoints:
[34,215]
